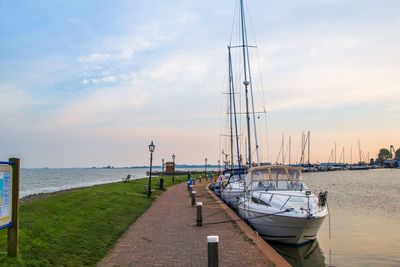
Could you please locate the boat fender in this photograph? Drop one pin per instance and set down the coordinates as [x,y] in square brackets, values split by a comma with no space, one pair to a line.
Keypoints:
[322,198]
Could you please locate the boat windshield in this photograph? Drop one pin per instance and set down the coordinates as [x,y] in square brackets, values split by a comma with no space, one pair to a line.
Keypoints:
[278,173]
[275,178]
[278,185]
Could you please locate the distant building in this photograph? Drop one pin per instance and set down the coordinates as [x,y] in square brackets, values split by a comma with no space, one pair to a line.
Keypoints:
[169,168]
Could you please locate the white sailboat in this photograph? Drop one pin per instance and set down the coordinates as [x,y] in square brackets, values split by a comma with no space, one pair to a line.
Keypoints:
[274,200]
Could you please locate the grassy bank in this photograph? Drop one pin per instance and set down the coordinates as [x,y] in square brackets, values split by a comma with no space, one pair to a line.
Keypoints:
[77,227]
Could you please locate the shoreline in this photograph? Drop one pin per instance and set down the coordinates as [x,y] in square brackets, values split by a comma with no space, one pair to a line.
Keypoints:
[36,196]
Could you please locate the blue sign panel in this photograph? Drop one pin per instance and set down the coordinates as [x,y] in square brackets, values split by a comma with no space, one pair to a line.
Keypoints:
[5,195]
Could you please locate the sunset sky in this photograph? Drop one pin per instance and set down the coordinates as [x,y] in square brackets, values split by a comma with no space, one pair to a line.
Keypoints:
[92,83]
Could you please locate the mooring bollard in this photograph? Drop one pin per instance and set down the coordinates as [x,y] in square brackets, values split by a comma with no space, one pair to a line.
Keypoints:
[212,241]
[190,190]
[199,213]
[193,198]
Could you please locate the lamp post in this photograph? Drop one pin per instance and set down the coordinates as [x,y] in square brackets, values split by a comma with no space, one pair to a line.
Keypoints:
[173,175]
[151,149]
[162,167]
[219,166]
[205,167]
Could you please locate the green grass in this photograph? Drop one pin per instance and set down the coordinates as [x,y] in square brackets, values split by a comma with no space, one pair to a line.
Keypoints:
[78,227]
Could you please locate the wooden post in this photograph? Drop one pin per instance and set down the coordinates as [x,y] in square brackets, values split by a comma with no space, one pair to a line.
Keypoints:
[199,213]
[190,190]
[212,241]
[12,242]
[193,198]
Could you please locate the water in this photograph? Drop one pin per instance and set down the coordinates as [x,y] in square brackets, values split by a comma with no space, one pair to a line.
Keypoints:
[365,216]
[50,180]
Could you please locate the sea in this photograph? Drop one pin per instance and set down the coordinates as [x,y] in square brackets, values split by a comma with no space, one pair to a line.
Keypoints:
[363,227]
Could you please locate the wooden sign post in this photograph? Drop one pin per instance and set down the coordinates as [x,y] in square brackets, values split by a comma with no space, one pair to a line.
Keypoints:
[9,203]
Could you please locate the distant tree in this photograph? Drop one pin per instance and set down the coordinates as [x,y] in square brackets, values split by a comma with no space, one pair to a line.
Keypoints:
[397,154]
[384,154]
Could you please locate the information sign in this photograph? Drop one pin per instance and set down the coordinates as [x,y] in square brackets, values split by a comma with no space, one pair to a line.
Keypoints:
[5,195]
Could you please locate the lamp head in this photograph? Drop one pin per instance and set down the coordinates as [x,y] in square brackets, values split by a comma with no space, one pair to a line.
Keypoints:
[152,147]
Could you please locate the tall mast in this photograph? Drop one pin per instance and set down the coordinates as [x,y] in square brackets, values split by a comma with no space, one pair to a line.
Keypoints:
[245,82]
[309,144]
[230,109]
[290,147]
[233,104]
[351,155]
[283,149]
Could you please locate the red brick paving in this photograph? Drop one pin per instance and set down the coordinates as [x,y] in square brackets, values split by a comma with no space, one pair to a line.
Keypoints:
[167,235]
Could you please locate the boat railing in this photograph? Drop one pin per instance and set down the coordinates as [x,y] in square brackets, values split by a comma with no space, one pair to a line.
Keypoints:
[307,196]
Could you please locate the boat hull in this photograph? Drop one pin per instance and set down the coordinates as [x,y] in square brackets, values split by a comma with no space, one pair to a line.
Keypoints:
[281,228]
[231,197]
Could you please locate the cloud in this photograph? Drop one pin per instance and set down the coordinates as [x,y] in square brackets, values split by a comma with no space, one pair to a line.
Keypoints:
[94,58]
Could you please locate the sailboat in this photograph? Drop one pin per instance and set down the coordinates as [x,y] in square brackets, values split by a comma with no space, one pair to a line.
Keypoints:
[274,200]
[233,187]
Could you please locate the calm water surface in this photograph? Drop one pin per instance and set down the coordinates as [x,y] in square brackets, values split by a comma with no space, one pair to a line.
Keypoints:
[50,180]
[365,221]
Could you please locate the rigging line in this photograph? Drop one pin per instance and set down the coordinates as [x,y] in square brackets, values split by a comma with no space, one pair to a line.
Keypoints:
[251,95]
[252,106]
[228,221]
[266,133]
[271,214]
[213,214]
[260,76]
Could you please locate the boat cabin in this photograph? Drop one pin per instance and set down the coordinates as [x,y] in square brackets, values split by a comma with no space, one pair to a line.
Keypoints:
[275,178]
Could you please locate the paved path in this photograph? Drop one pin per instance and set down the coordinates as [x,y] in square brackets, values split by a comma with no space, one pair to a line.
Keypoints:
[167,235]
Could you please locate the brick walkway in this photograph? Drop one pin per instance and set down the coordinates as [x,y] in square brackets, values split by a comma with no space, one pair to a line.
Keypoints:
[167,235]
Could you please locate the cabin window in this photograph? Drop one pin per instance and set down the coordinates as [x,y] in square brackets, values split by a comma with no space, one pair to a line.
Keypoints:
[259,201]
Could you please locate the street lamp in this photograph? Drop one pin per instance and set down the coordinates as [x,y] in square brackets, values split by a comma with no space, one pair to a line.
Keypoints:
[173,175]
[162,167]
[219,166]
[151,149]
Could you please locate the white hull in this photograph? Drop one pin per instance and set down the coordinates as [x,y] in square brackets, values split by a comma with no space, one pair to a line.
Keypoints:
[283,228]
[231,197]
[232,192]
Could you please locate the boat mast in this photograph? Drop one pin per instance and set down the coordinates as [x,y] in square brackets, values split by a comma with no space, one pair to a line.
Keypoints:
[309,146]
[230,108]
[245,82]
[233,104]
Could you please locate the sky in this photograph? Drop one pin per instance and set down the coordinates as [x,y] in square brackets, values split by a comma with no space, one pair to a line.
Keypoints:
[92,83]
